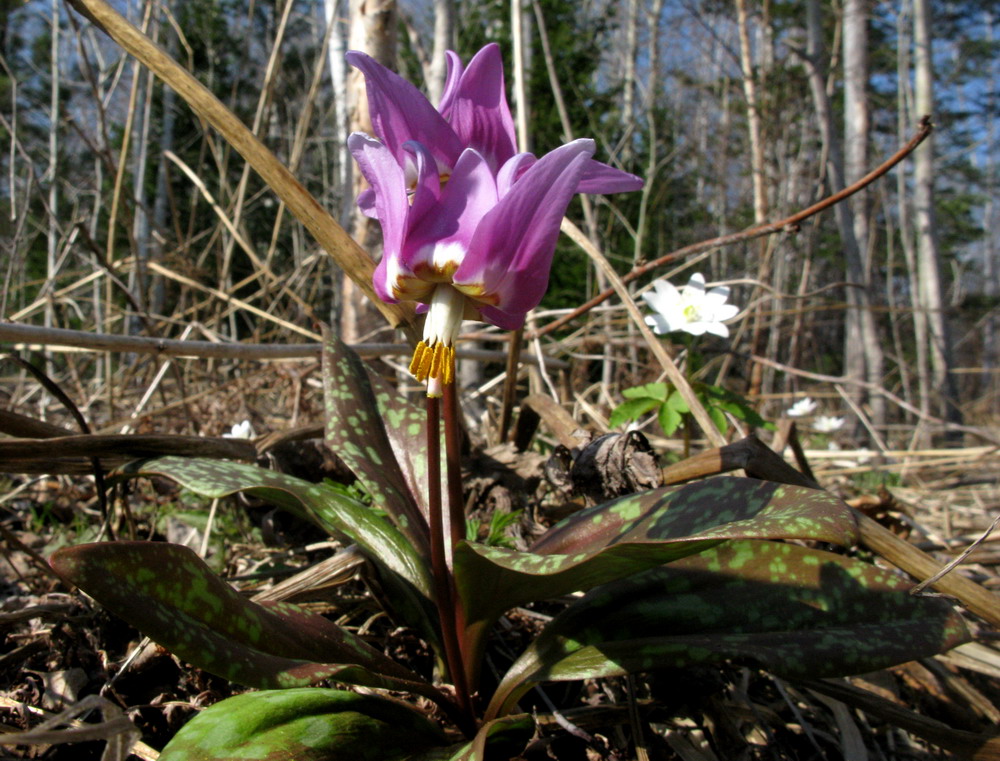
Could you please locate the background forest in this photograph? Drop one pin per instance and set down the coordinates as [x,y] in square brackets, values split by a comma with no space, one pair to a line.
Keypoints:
[155,285]
[123,212]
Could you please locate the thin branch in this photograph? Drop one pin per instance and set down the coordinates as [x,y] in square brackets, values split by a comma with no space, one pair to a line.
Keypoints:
[84,340]
[789,223]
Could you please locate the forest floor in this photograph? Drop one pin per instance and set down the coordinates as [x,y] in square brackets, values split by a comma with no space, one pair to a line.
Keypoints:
[61,648]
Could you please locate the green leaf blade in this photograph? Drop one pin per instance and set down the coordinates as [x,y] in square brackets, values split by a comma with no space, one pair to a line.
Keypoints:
[308,724]
[721,507]
[796,611]
[168,592]
[379,435]
[403,571]
[633,409]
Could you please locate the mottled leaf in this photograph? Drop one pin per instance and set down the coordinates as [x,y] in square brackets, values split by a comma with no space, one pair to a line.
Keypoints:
[306,724]
[380,436]
[635,533]
[723,507]
[170,594]
[796,611]
[403,572]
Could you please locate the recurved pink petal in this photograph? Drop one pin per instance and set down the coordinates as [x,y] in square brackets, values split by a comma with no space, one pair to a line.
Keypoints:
[503,320]
[451,79]
[511,171]
[400,112]
[427,186]
[392,207]
[601,178]
[477,108]
[438,242]
[511,253]
[366,202]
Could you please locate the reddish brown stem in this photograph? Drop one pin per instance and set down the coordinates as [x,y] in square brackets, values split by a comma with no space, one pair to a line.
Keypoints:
[443,582]
[453,456]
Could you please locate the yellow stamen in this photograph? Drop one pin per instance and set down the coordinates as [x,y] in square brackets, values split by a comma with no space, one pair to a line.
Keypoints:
[435,362]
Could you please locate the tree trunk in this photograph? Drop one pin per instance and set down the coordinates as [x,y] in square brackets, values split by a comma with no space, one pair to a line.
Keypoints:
[856,129]
[444,39]
[373,31]
[931,296]
[859,324]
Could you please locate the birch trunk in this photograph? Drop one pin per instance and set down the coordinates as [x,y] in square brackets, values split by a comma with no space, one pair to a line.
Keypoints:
[444,39]
[373,31]
[859,312]
[904,105]
[865,354]
[930,296]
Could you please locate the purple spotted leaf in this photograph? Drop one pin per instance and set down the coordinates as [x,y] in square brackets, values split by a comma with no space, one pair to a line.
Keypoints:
[403,573]
[635,533]
[796,611]
[304,724]
[167,592]
[380,436]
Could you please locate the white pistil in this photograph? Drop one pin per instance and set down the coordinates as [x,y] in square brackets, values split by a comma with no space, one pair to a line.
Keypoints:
[434,358]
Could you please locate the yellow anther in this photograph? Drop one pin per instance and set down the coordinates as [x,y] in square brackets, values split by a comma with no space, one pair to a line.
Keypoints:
[435,363]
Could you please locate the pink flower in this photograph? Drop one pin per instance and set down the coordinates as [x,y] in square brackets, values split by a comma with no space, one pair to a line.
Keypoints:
[469,225]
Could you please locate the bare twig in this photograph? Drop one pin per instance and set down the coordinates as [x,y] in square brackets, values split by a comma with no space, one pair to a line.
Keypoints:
[754,232]
[83,339]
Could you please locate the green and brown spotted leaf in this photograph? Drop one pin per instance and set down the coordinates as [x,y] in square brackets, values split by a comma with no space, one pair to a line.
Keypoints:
[307,724]
[713,507]
[403,572]
[167,592]
[379,436]
[795,611]
[634,533]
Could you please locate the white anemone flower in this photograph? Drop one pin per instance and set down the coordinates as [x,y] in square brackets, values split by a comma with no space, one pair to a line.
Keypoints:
[691,309]
[804,406]
[828,424]
[240,431]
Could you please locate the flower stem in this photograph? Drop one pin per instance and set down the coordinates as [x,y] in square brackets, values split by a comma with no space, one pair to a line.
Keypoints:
[443,581]
[453,455]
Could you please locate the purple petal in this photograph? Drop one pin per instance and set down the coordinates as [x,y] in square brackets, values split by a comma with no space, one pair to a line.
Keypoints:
[440,240]
[392,207]
[366,202]
[601,178]
[477,109]
[511,171]
[427,189]
[455,68]
[511,253]
[400,113]
[503,320]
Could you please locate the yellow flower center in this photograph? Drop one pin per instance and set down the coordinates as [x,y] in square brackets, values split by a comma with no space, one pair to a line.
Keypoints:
[692,313]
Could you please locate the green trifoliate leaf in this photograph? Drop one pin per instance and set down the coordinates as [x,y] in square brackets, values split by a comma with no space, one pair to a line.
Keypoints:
[657,391]
[633,409]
